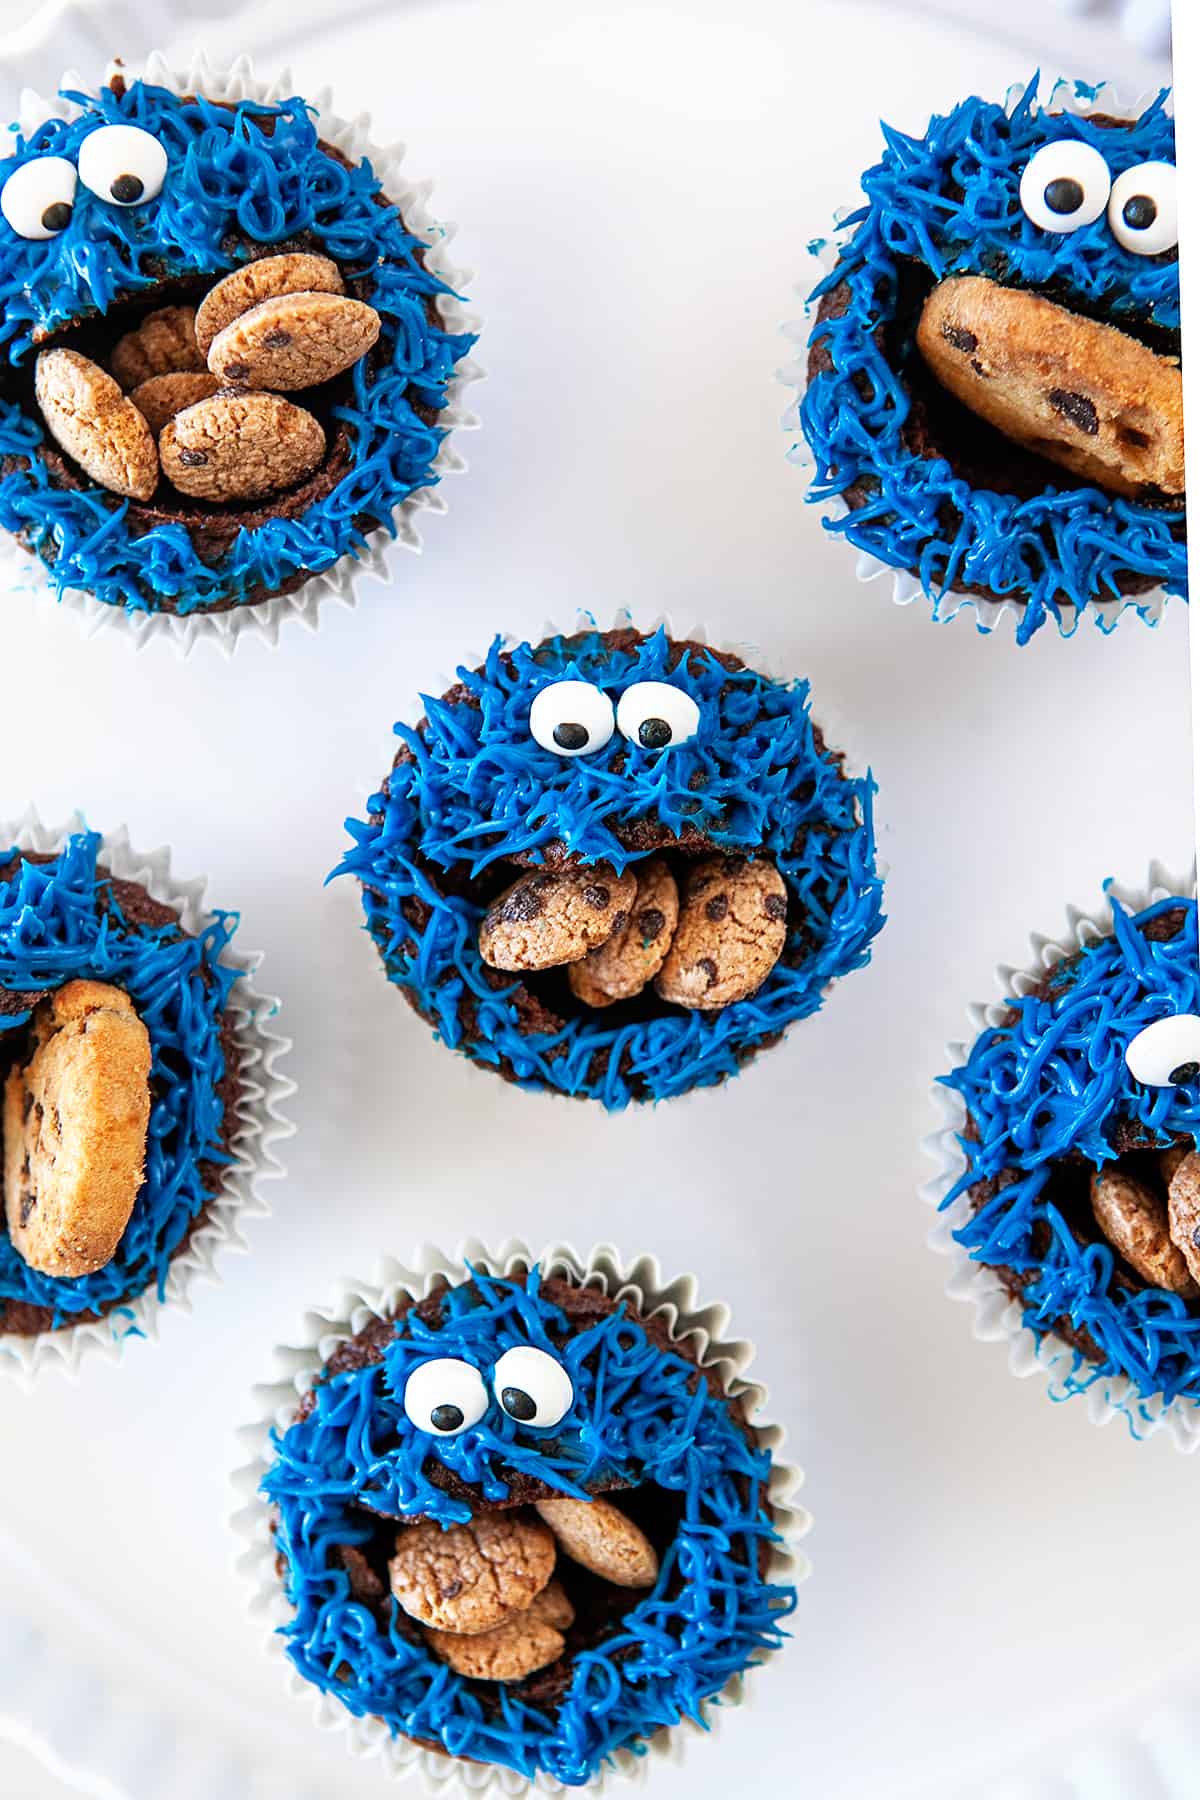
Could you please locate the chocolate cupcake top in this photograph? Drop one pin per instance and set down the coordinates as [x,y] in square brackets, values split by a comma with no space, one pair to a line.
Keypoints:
[1070,221]
[520,1525]
[68,929]
[616,865]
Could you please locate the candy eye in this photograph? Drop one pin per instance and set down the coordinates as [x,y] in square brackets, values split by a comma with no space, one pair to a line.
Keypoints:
[122,163]
[571,718]
[654,714]
[1143,214]
[445,1396]
[1065,185]
[1167,1053]
[39,197]
[533,1387]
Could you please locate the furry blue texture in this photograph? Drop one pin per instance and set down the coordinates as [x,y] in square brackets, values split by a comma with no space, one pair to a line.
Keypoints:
[950,201]
[477,789]
[225,176]
[1052,1084]
[53,930]
[639,1414]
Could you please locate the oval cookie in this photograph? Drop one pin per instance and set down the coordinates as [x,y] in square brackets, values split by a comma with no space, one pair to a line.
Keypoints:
[509,1652]
[88,415]
[470,1578]
[546,919]
[297,272]
[598,1536]
[632,956]
[240,446]
[731,932]
[294,341]
[162,344]
[1134,1220]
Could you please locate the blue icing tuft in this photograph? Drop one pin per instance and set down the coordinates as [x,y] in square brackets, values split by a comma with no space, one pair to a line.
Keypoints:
[54,929]
[641,1415]
[950,201]
[474,788]
[254,171]
[1053,1084]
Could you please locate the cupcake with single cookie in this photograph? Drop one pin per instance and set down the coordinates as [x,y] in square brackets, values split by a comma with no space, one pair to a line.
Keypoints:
[1071,1184]
[138,1092]
[617,865]
[994,397]
[232,356]
[525,1514]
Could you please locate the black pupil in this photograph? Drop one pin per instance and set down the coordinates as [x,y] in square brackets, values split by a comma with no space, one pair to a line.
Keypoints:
[57,217]
[1139,212]
[1064,195]
[1185,1072]
[517,1404]
[569,736]
[127,188]
[654,733]
[447,1417]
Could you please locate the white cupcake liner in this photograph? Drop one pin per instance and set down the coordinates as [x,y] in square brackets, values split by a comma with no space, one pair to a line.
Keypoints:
[260,1122]
[675,1301]
[24,571]
[997,1317]
[1062,96]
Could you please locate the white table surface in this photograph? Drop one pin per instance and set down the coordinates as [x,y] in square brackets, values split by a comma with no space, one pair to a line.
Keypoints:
[1000,1589]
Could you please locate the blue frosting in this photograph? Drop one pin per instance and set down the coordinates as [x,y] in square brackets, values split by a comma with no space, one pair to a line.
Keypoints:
[256,171]
[1054,1083]
[640,1415]
[53,929]
[950,201]
[476,788]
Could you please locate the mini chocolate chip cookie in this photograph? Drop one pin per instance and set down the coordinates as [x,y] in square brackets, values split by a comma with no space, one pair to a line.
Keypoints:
[528,1641]
[163,344]
[470,1578]
[294,341]
[597,1535]
[1134,1220]
[632,957]
[88,415]
[162,396]
[1183,1211]
[240,446]
[549,918]
[731,932]
[295,272]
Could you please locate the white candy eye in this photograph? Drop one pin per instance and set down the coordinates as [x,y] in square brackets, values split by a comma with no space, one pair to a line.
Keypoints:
[122,163]
[1167,1052]
[445,1396]
[1143,213]
[1065,185]
[572,718]
[533,1387]
[654,714]
[38,198]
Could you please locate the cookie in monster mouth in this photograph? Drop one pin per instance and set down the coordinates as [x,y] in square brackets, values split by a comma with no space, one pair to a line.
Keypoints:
[223,360]
[994,386]
[1082,1178]
[520,1524]
[616,865]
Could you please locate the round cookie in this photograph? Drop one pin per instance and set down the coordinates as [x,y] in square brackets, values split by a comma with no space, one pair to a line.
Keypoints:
[295,272]
[633,955]
[293,341]
[515,1649]
[546,919]
[731,932]
[239,446]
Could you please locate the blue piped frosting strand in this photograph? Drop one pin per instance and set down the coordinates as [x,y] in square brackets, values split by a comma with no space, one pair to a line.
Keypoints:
[1053,1084]
[950,201]
[53,930]
[479,789]
[639,1414]
[225,176]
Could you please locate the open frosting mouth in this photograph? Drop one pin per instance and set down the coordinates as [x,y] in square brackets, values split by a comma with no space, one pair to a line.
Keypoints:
[224,353]
[1083,1177]
[617,865]
[557,1542]
[994,372]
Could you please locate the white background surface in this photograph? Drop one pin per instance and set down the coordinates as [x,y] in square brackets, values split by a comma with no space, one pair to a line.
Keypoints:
[1000,1589]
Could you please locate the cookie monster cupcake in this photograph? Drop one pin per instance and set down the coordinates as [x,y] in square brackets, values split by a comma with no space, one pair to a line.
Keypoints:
[994,396]
[525,1515]
[139,1092]
[230,345]
[1071,1169]
[617,865]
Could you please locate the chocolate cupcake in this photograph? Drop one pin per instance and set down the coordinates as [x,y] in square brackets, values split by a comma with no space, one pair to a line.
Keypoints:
[229,355]
[525,1514]
[1072,1168]
[994,394]
[616,865]
[139,1096]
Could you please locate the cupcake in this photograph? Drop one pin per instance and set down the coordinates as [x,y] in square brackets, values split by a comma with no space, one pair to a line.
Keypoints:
[229,359]
[617,865]
[524,1516]
[137,1092]
[994,392]
[1072,1165]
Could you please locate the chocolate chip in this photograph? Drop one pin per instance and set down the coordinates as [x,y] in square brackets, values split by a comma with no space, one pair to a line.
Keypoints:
[596,895]
[518,1404]
[653,734]
[716,908]
[193,459]
[277,340]
[1139,212]
[233,371]
[618,922]
[525,904]
[446,1418]
[959,338]
[127,189]
[57,217]
[450,1590]
[710,968]
[650,924]
[1075,407]
[978,366]
[28,1202]
[1064,195]
[569,736]
[776,906]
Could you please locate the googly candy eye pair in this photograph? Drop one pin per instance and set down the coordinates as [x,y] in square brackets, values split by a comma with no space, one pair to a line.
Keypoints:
[576,718]
[447,1396]
[118,163]
[1068,184]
